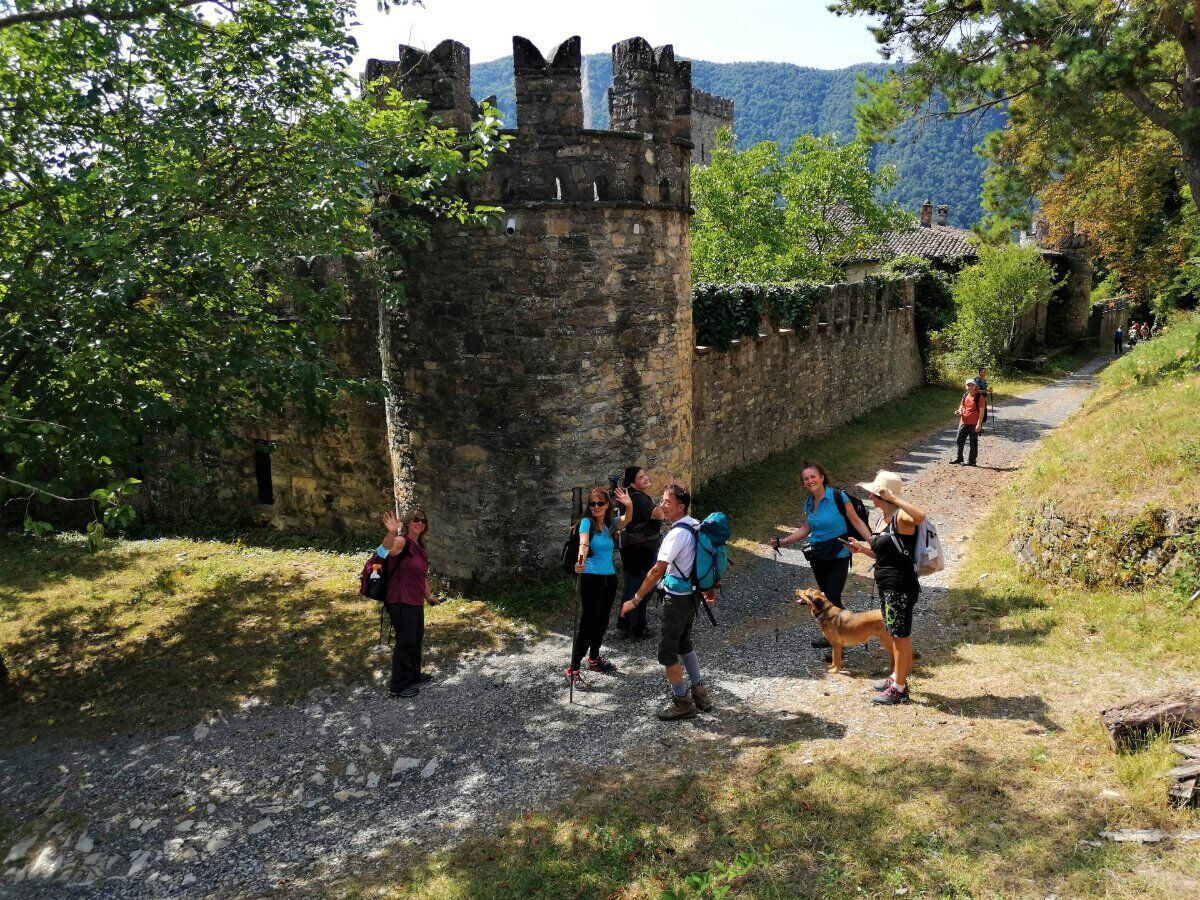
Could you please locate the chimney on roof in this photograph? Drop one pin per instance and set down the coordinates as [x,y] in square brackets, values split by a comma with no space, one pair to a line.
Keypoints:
[943,213]
[927,214]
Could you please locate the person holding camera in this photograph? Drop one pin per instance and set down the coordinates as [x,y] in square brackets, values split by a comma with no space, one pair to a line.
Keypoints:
[407,565]
[894,550]
[639,544]
[597,582]
[827,518]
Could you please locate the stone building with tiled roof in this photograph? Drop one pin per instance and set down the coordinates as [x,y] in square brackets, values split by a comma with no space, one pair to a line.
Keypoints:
[932,239]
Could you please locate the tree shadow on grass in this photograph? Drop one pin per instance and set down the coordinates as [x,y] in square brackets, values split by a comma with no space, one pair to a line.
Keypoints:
[879,824]
[990,706]
[276,637]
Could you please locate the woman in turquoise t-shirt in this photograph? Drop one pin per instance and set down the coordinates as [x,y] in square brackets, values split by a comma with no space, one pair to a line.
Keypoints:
[597,582]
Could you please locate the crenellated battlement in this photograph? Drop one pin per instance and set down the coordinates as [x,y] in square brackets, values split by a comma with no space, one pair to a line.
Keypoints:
[644,160]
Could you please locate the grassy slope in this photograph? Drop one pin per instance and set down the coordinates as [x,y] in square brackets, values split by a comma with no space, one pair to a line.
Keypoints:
[996,785]
[1138,442]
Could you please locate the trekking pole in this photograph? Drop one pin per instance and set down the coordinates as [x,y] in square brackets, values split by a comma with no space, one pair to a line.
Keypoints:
[579,616]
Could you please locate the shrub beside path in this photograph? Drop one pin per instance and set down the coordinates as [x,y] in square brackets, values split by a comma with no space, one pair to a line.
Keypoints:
[285,797]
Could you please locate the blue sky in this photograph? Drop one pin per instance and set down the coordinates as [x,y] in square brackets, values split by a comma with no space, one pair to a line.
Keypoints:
[800,31]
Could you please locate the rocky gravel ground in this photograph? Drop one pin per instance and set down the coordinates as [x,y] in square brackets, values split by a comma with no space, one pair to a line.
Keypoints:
[263,798]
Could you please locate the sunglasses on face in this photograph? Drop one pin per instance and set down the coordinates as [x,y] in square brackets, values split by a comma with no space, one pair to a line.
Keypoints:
[418,521]
[597,503]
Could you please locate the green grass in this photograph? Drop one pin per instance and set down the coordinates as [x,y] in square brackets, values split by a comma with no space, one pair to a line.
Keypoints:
[1137,443]
[762,497]
[152,633]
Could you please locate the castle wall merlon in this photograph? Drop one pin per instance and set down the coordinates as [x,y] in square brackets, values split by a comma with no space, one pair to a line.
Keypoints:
[549,93]
[441,77]
[647,83]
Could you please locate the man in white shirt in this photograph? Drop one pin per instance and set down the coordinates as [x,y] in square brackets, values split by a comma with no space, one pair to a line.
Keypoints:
[676,559]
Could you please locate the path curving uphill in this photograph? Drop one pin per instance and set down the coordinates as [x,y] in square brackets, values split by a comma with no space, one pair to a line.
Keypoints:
[285,797]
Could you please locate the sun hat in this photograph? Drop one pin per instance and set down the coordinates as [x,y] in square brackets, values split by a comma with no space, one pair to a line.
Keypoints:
[884,479]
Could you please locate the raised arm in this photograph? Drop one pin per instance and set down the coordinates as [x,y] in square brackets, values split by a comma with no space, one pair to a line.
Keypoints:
[393,542]
[626,502]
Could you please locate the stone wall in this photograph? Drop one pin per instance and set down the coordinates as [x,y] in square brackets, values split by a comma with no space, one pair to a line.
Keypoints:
[1067,316]
[1116,552]
[764,395]
[333,479]
[710,113]
[1106,316]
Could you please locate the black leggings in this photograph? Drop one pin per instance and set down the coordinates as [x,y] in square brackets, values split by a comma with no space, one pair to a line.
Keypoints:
[831,577]
[409,622]
[596,594]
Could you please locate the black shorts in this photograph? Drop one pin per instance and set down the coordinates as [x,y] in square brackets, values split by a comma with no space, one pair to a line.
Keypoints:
[675,638]
[897,606]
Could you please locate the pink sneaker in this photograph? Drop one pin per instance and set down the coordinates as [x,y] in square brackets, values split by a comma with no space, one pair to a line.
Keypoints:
[891,697]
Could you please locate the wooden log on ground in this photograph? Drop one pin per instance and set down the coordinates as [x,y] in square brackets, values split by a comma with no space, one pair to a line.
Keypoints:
[1133,723]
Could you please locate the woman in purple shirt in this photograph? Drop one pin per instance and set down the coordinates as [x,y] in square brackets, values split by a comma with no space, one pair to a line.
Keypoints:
[407,566]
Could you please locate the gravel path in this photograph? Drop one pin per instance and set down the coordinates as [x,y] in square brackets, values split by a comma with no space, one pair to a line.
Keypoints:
[282,798]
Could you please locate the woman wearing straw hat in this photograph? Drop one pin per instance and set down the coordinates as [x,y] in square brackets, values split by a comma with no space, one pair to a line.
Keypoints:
[894,551]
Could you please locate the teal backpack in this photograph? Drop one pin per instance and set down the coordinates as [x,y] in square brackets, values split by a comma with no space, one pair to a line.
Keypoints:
[711,557]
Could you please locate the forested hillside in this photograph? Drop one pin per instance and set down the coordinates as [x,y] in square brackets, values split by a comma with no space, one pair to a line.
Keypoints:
[778,101]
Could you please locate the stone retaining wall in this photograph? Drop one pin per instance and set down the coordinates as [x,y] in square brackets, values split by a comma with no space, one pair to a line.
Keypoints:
[1110,551]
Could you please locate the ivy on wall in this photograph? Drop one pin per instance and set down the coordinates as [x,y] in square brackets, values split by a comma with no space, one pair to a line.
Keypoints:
[723,313]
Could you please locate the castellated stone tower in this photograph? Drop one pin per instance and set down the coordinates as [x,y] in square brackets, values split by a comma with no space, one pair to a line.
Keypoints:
[710,113]
[554,348]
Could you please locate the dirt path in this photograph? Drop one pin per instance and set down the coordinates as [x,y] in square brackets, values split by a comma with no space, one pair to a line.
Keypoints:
[280,798]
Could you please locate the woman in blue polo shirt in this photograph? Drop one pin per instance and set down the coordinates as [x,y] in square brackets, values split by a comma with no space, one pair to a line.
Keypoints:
[825,526]
[597,581]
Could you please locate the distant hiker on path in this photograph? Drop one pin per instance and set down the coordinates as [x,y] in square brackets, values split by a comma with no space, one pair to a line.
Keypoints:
[597,582]
[674,569]
[829,515]
[894,550]
[407,564]
[971,411]
[1118,341]
[639,545]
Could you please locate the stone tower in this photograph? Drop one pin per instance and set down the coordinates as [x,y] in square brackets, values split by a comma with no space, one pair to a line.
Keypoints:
[554,348]
[710,113]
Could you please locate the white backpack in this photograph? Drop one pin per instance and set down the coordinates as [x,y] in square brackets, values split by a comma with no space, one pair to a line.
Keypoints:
[929,556]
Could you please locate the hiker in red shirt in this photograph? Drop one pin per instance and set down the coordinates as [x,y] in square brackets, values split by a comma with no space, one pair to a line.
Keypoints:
[970,414]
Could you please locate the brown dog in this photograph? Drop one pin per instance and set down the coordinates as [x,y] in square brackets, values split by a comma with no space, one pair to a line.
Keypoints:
[843,628]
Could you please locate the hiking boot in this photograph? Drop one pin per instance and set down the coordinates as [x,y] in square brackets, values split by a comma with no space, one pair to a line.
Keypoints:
[600,664]
[423,677]
[700,697]
[882,685]
[406,693]
[677,708]
[891,696]
[955,462]
[574,676]
[969,464]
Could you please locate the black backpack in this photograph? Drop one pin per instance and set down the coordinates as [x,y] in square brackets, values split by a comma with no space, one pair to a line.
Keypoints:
[859,507]
[570,551]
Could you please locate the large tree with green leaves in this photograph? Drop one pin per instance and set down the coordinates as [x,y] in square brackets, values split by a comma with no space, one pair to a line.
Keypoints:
[162,161]
[1063,59]
[765,217]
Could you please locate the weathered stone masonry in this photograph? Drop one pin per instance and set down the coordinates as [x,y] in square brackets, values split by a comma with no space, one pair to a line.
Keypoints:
[551,349]
[765,394]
